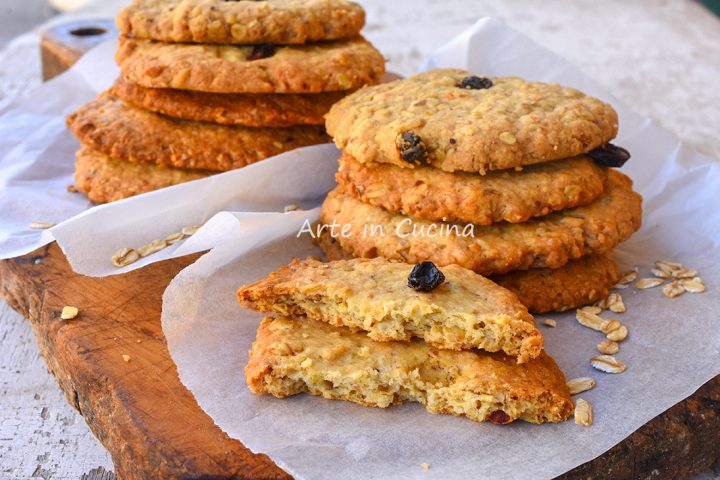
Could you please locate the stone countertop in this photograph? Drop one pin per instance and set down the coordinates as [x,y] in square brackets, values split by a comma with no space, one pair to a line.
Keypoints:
[662,57]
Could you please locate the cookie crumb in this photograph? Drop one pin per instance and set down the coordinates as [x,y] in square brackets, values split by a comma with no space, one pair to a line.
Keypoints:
[68,313]
[425,466]
[72,189]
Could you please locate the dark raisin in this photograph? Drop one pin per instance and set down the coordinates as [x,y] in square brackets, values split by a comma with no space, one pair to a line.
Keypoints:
[264,50]
[453,141]
[425,277]
[475,83]
[610,155]
[498,417]
[412,148]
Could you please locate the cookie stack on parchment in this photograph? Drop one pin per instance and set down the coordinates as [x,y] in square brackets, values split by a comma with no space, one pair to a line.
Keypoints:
[508,178]
[209,86]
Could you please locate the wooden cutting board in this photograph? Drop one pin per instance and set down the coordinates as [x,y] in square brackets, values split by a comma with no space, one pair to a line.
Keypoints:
[152,425]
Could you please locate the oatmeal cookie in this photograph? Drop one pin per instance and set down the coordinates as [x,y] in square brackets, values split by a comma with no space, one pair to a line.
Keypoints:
[250,110]
[453,120]
[576,284]
[466,311]
[123,132]
[222,21]
[316,68]
[505,195]
[105,180]
[291,356]
[545,242]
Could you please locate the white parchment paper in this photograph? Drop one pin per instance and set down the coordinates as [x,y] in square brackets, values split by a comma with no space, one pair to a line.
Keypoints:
[673,348]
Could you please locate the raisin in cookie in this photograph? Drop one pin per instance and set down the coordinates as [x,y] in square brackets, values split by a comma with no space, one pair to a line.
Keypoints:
[323,67]
[505,195]
[453,120]
[123,132]
[576,284]
[250,110]
[222,21]
[466,311]
[105,180]
[291,356]
[545,242]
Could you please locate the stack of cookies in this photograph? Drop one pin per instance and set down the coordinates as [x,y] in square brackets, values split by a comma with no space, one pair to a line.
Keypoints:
[509,178]
[381,333]
[209,86]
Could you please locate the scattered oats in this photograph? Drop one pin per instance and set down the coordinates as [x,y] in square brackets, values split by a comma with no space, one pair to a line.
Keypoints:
[669,266]
[126,358]
[68,313]
[673,289]
[72,189]
[508,138]
[277,145]
[607,364]
[152,247]
[615,303]
[644,283]
[628,277]
[581,384]
[660,273]
[608,347]
[621,286]
[40,225]
[191,230]
[685,273]
[125,256]
[306,363]
[549,322]
[611,326]
[425,466]
[174,238]
[591,320]
[583,413]
[618,335]
[292,208]
[602,304]
[693,285]
[594,309]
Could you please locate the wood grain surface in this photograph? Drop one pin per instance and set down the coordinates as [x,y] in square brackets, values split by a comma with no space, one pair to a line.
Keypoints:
[152,425]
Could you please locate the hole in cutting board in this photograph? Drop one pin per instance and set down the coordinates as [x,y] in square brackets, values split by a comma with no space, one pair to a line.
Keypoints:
[88,31]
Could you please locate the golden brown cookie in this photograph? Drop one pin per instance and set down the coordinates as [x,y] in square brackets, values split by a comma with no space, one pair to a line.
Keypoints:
[466,311]
[123,132]
[322,67]
[455,121]
[105,180]
[544,242]
[504,195]
[222,21]
[292,356]
[576,284]
[250,110]
[579,283]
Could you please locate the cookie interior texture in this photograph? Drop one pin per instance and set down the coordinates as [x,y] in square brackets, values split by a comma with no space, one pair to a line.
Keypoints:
[311,68]
[465,311]
[512,123]
[428,193]
[546,242]
[291,356]
[220,21]
[250,110]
